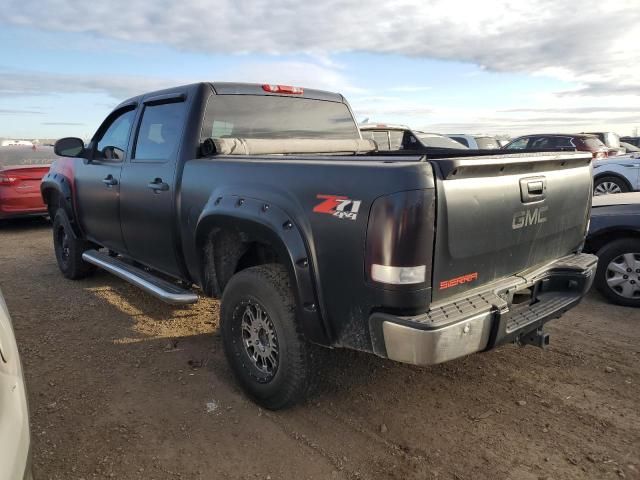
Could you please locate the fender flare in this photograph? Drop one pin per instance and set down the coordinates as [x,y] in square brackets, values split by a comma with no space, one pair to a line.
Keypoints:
[262,221]
[55,183]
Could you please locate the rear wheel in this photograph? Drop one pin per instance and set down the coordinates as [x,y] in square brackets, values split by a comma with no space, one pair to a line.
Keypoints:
[607,185]
[69,249]
[618,274]
[268,355]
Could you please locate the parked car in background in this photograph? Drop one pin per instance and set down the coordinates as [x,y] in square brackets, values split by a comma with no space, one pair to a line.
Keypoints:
[400,137]
[15,439]
[21,169]
[614,236]
[629,147]
[632,140]
[558,141]
[611,140]
[616,174]
[476,142]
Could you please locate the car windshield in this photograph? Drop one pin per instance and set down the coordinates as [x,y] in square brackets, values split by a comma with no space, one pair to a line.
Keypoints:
[438,141]
[487,143]
[272,116]
[22,155]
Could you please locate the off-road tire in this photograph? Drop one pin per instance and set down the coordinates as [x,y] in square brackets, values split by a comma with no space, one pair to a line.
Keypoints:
[69,249]
[267,286]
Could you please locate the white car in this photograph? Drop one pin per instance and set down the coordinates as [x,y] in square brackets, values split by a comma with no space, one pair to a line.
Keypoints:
[15,439]
[476,142]
[617,174]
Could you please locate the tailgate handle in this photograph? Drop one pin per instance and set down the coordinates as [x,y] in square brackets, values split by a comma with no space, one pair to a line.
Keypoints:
[533,189]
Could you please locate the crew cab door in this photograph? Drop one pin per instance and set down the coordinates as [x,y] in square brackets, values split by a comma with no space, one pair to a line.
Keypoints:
[148,185]
[97,180]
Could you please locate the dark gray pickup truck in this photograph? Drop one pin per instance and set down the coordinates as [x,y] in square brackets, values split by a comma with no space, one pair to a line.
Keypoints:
[267,197]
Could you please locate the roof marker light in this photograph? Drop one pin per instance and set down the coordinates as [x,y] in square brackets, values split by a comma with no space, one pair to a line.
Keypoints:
[282,89]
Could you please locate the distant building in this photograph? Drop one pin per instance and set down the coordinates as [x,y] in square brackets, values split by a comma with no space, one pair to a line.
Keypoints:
[9,143]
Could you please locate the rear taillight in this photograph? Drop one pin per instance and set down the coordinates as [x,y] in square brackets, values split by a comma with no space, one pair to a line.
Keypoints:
[283,89]
[597,155]
[8,180]
[400,239]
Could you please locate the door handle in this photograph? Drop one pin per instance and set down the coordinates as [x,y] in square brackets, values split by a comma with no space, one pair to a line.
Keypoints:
[158,185]
[109,181]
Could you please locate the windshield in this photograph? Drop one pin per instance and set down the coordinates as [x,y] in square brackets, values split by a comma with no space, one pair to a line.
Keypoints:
[487,143]
[438,141]
[272,116]
[21,155]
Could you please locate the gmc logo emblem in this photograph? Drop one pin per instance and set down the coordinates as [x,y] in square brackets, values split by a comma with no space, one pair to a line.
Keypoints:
[529,217]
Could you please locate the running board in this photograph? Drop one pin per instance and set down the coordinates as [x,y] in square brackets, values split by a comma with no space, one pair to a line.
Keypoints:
[158,287]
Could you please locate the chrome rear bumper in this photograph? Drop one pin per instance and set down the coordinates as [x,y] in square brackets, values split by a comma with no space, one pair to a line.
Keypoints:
[484,318]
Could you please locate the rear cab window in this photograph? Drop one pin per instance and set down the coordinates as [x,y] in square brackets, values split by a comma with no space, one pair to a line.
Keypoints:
[276,117]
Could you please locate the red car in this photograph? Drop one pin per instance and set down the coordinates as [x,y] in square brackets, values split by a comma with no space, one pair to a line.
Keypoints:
[21,169]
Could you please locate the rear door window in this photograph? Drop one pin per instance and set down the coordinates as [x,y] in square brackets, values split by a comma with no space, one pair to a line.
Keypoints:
[160,131]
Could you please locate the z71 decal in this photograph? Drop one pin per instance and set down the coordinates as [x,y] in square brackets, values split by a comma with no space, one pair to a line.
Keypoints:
[338,206]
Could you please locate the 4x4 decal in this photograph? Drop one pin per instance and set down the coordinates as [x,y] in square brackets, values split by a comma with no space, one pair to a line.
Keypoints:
[338,206]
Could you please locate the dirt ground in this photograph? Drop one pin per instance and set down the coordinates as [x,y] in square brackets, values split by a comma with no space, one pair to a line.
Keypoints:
[124,386]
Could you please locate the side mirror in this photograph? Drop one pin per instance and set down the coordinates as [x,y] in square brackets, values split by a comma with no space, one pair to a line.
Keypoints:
[69,147]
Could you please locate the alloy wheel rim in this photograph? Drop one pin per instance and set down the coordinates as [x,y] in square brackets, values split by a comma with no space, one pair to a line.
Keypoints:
[623,275]
[259,339]
[605,188]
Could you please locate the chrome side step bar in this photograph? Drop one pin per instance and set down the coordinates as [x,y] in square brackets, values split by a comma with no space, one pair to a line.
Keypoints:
[158,287]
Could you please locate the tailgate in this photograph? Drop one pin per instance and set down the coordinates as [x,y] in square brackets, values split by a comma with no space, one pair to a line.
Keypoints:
[503,214]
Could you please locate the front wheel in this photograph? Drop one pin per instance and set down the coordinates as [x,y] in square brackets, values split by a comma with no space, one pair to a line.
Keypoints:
[607,185]
[262,342]
[618,274]
[69,249]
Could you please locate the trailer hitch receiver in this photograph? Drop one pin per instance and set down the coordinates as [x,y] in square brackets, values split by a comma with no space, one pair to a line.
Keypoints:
[537,338]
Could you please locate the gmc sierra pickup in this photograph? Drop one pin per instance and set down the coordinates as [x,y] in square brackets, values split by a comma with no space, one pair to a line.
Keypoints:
[267,197]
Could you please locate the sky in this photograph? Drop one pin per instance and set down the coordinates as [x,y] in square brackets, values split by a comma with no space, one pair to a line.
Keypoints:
[505,67]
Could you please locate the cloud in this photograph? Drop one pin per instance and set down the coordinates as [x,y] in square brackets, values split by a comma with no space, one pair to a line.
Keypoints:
[591,44]
[311,75]
[585,110]
[13,84]
[62,123]
[7,111]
